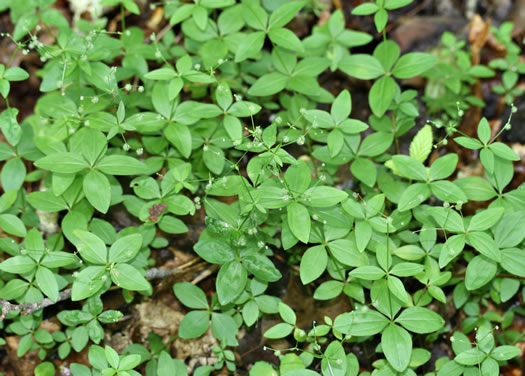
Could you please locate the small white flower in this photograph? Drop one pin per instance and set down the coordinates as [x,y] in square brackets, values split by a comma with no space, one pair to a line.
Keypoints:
[126,147]
[158,55]
[140,151]
[300,140]
[128,87]
[94,100]
[197,66]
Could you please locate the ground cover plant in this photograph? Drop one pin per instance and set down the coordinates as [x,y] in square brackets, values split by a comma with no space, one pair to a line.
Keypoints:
[178,184]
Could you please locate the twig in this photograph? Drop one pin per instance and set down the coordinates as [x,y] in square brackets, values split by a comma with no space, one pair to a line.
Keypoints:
[29,308]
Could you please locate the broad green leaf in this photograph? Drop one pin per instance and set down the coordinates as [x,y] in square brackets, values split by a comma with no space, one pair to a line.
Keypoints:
[414,195]
[513,261]
[480,271]
[421,144]
[413,64]
[334,360]
[396,343]
[284,14]
[443,167]
[381,95]
[121,165]
[12,225]
[18,265]
[91,247]
[360,323]
[485,244]
[125,248]
[97,190]
[129,278]
[299,221]
[279,331]
[194,324]
[420,320]
[67,163]
[268,84]
[362,66]
[313,264]
[323,196]
[47,282]
[231,281]
[190,295]
[448,191]
[375,144]
[214,251]
[410,167]
[251,44]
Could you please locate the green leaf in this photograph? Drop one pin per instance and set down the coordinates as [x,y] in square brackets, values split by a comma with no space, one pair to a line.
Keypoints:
[503,151]
[286,38]
[363,234]
[231,281]
[381,95]
[512,260]
[396,343]
[284,14]
[364,170]
[410,167]
[91,247]
[470,357]
[286,313]
[251,44]
[190,295]
[468,142]
[125,248]
[421,144]
[129,278]
[194,324]
[180,137]
[480,271]
[67,163]
[323,196]
[298,177]
[341,107]
[365,9]
[381,19]
[375,144]
[313,264]
[368,272]
[12,225]
[397,288]
[279,331]
[448,191]
[502,353]
[476,188]
[485,244]
[414,195]
[18,265]
[484,131]
[13,174]
[261,267]
[443,167]
[121,165]
[345,251]
[214,251]
[420,320]
[97,190]
[268,84]
[161,74]
[413,64]
[362,66]
[16,74]
[360,323]
[47,282]
[334,360]
[299,221]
